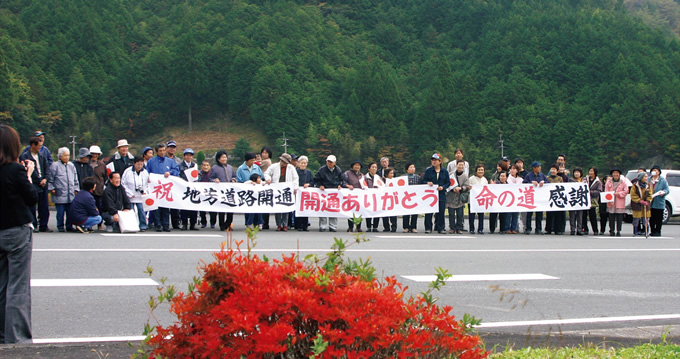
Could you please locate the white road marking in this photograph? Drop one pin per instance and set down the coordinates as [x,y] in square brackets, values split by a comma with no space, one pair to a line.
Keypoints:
[481,277]
[92,282]
[432,236]
[528,323]
[159,235]
[638,237]
[325,250]
[88,340]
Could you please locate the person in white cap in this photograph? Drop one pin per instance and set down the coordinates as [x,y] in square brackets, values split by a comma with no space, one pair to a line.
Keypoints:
[122,159]
[279,172]
[329,176]
[189,218]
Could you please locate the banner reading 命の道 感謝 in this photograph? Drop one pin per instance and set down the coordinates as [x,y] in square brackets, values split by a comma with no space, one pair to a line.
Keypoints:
[505,198]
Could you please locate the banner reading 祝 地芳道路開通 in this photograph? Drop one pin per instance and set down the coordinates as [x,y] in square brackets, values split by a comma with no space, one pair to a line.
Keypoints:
[505,198]
[174,192]
[367,203]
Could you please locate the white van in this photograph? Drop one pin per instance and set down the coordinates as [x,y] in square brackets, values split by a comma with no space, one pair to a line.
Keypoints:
[672,199]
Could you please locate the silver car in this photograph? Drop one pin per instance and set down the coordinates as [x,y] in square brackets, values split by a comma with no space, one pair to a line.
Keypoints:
[672,199]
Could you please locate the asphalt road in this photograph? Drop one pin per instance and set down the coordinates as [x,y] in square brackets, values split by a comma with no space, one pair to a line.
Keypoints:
[523,286]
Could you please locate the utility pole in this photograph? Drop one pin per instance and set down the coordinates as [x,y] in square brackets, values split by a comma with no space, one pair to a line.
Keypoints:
[502,147]
[73,146]
[285,143]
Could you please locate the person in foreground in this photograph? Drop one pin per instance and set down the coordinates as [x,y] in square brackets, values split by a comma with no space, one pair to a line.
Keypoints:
[17,195]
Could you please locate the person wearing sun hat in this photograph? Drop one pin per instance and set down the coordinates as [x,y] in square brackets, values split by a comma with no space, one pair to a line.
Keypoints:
[660,190]
[329,176]
[617,208]
[436,176]
[281,172]
[82,164]
[122,159]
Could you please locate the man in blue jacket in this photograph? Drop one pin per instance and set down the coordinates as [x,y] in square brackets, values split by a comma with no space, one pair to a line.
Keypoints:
[436,176]
[537,178]
[83,211]
[167,167]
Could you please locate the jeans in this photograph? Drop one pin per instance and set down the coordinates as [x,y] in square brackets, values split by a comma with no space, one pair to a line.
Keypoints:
[618,218]
[576,221]
[161,218]
[61,209]
[91,221]
[253,219]
[510,221]
[480,221]
[16,245]
[439,224]
[456,218]
[141,215]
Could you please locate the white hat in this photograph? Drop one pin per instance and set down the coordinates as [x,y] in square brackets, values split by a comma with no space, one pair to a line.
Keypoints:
[122,143]
[331,158]
[95,149]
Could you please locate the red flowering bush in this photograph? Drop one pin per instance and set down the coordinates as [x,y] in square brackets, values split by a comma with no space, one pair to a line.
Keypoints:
[248,307]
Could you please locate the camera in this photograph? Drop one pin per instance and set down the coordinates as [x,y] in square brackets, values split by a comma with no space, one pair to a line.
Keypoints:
[140,189]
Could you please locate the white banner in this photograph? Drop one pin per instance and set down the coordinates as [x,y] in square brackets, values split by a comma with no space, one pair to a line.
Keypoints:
[174,192]
[367,203]
[508,198]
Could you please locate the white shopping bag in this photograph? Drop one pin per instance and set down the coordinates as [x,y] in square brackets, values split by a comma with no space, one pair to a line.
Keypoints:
[127,221]
[606,197]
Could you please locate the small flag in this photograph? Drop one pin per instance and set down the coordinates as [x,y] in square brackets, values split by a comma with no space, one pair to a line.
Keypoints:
[397,181]
[110,168]
[452,184]
[149,202]
[192,174]
[606,197]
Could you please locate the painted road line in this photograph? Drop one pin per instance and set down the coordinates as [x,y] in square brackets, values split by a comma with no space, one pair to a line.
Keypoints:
[92,282]
[159,235]
[638,237]
[481,277]
[88,340]
[529,323]
[325,250]
[433,236]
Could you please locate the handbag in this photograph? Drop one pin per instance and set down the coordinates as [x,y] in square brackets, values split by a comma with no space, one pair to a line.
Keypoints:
[127,221]
[464,196]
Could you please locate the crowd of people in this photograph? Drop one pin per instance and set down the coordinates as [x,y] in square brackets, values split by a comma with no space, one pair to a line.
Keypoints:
[88,192]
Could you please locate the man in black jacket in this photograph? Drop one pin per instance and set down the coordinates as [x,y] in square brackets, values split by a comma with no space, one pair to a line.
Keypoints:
[329,176]
[115,200]
[82,164]
[122,159]
[39,178]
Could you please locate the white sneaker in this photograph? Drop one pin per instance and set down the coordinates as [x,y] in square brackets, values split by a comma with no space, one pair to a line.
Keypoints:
[109,229]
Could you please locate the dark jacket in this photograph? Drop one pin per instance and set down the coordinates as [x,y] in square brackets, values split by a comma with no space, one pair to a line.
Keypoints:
[115,199]
[83,170]
[82,207]
[17,194]
[352,178]
[530,177]
[430,175]
[183,167]
[100,175]
[204,176]
[327,178]
[305,177]
[120,163]
[223,173]
[44,152]
[44,168]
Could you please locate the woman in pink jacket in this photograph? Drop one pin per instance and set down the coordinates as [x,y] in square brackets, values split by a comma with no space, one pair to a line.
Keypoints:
[617,208]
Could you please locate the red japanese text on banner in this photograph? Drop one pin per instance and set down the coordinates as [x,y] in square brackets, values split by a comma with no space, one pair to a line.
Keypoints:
[367,203]
[507,198]
[174,192]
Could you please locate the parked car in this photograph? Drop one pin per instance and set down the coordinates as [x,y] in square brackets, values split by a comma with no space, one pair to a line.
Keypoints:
[672,199]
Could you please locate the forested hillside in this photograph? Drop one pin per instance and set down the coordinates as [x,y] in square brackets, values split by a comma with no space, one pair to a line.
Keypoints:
[360,78]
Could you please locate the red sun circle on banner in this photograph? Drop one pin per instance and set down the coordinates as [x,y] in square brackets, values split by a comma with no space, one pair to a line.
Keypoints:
[609,196]
[194,173]
[391,184]
[401,182]
[149,201]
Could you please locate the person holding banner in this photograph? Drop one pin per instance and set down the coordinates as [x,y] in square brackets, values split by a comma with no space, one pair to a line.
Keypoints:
[352,178]
[410,222]
[457,197]
[390,222]
[435,175]
[640,198]
[281,172]
[595,187]
[329,176]
[305,179]
[223,173]
[204,176]
[477,180]
[659,188]
[167,167]
[135,182]
[372,180]
[537,178]
[243,174]
[554,221]
[616,208]
[188,218]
